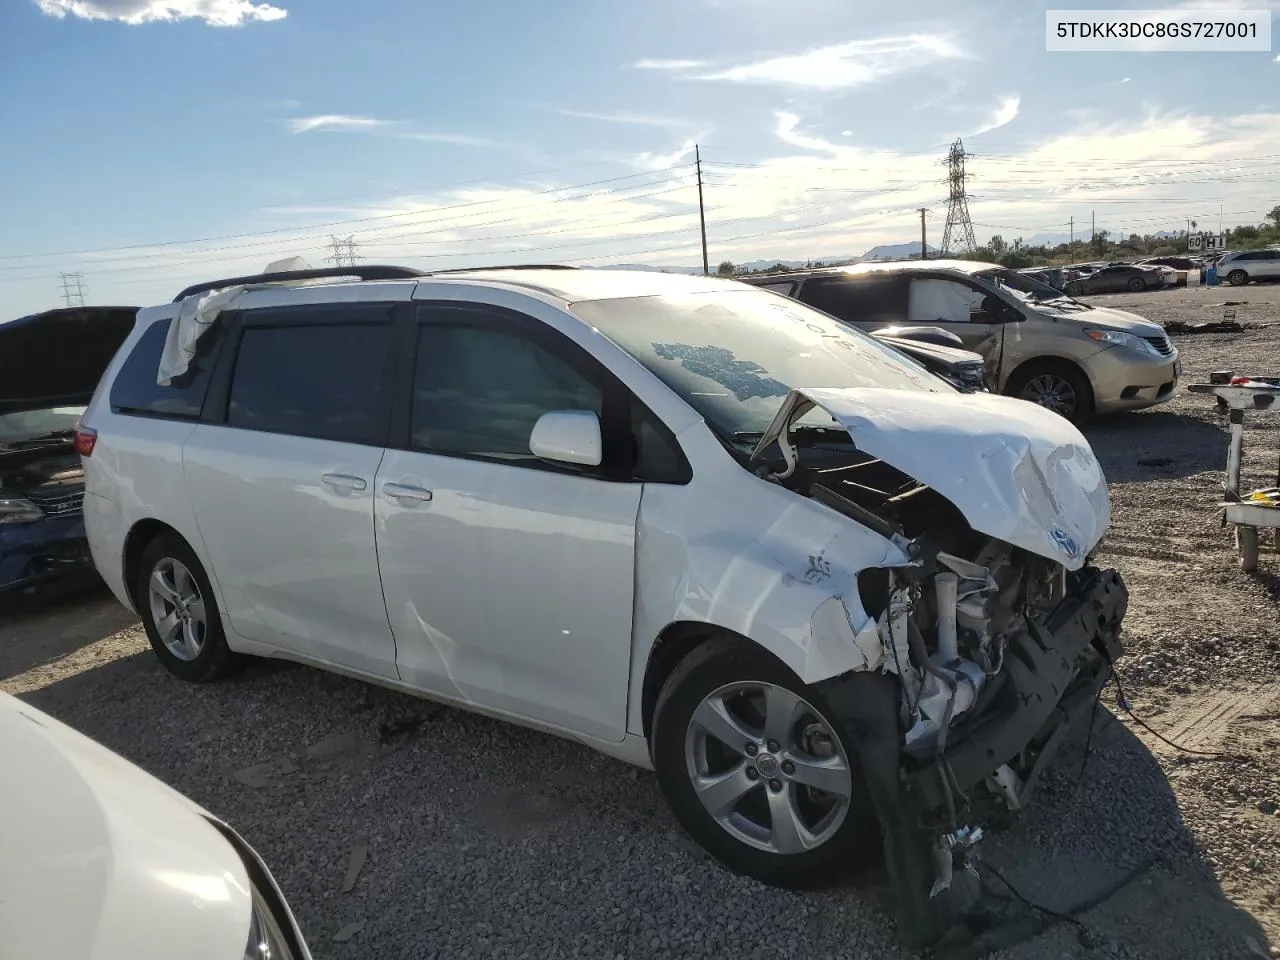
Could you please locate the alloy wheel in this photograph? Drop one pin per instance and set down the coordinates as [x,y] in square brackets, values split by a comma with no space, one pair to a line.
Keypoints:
[177,608]
[1051,391]
[768,767]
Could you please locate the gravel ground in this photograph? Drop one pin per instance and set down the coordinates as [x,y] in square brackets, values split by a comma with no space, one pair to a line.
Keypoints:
[406,830]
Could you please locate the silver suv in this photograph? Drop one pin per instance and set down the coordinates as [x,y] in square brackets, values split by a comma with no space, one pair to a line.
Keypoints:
[1244,265]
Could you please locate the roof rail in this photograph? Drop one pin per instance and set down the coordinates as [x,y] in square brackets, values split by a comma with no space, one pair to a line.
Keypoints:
[506,266]
[369,272]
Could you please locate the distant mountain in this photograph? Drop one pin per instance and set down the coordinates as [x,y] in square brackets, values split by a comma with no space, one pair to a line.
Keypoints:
[896,251]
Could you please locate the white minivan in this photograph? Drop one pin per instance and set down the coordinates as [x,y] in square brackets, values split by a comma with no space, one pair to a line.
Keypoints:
[698,526]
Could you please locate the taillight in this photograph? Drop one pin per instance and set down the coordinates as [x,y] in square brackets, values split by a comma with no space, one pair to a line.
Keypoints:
[86,439]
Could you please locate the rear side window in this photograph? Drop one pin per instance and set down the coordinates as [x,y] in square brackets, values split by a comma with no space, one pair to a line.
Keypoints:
[135,390]
[869,299]
[478,391]
[327,381]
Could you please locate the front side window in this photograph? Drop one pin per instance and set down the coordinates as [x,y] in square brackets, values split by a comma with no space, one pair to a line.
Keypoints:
[135,390]
[734,356]
[326,381]
[934,300]
[478,391]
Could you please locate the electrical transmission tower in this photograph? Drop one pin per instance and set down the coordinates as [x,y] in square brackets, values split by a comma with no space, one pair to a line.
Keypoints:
[73,289]
[343,251]
[958,234]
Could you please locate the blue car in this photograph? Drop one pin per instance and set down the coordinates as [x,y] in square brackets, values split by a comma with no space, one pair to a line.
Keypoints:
[50,364]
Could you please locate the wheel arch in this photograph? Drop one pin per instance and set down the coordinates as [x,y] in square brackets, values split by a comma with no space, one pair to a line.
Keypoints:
[1049,362]
[140,534]
[674,643]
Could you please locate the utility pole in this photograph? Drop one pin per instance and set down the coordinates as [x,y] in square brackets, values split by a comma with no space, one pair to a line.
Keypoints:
[1072,224]
[344,251]
[959,228]
[924,247]
[1093,230]
[702,213]
[73,289]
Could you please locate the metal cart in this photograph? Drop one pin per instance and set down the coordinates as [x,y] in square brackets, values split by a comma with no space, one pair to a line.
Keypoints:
[1259,509]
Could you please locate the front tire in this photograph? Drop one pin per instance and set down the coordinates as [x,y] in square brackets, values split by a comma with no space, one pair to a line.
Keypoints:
[1237,278]
[1056,386]
[180,612]
[759,768]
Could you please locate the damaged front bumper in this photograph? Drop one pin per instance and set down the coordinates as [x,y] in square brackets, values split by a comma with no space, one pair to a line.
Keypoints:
[1052,675]
[928,803]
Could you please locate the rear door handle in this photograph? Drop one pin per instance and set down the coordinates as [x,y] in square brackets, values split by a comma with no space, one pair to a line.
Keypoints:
[344,481]
[403,491]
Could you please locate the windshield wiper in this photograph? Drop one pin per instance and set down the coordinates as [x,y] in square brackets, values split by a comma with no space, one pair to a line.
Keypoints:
[804,430]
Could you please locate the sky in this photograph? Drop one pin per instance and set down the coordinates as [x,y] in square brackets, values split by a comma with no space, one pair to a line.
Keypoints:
[148,144]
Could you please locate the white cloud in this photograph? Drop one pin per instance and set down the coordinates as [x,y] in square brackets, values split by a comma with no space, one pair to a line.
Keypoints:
[216,13]
[1006,112]
[787,130]
[637,119]
[1124,79]
[650,64]
[336,122]
[853,64]
[456,139]
[663,160]
[801,197]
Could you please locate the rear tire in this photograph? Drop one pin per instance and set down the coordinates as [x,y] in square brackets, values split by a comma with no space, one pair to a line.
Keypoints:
[1055,385]
[1137,284]
[180,612]
[770,823]
[1237,278]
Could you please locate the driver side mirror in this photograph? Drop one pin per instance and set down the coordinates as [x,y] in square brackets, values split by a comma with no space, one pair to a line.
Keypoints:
[568,436]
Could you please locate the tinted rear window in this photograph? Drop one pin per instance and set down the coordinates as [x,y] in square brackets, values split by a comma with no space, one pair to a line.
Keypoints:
[326,381]
[135,389]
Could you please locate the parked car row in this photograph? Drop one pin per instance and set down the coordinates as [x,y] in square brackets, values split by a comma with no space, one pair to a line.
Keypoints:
[1038,344]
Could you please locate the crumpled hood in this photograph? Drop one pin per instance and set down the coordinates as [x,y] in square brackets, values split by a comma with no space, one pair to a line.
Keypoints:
[56,358]
[99,860]
[1016,471]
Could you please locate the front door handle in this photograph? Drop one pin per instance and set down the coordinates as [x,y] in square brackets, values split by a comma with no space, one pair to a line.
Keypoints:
[344,481]
[403,491]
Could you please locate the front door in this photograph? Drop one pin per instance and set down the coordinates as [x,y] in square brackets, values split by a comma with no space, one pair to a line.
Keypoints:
[508,580]
[960,309]
[283,486]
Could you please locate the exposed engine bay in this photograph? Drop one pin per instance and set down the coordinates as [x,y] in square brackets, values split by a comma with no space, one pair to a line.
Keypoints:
[994,650]
[41,511]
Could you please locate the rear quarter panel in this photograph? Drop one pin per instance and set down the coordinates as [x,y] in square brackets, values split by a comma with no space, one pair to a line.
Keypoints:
[134,474]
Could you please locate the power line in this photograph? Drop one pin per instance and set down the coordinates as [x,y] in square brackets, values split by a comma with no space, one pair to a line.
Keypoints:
[332,223]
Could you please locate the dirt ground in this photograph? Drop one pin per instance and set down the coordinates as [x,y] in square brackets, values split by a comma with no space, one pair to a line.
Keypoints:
[481,839]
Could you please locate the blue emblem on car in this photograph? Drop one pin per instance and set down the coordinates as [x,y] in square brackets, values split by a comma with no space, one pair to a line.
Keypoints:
[1064,542]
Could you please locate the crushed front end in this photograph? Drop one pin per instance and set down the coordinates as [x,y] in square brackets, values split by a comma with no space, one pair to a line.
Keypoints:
[997,633]
[992,663]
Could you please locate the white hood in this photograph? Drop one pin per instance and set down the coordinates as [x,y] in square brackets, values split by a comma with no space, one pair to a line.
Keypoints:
[100,861]
[1017,471]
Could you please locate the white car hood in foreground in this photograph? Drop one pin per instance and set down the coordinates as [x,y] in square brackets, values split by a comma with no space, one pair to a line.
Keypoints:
[100,861]
[1017,471]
